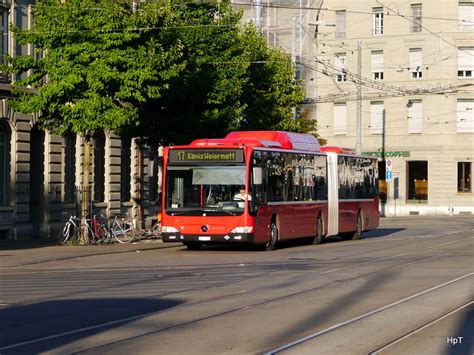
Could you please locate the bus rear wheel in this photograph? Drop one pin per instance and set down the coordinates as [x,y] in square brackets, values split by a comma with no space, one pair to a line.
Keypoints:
[356,235]
[319,231]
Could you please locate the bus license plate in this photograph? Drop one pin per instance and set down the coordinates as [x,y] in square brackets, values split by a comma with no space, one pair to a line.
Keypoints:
[204,238]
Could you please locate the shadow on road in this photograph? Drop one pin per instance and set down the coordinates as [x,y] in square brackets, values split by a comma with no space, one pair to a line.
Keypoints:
[8,244]
[463,334]
[381,232]
[35,328]
[376,233]
[327,313]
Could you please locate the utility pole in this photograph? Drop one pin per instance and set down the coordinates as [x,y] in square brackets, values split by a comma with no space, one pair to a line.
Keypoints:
[294,22]
[258,13]
[359,99]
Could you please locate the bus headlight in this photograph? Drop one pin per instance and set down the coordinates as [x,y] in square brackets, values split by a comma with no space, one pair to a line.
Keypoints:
[242,230]
[167,229]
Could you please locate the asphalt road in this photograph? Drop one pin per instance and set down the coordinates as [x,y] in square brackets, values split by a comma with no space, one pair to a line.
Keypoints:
[405,288]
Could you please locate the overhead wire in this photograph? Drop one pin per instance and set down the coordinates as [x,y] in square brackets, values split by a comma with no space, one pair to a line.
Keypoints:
[424,27]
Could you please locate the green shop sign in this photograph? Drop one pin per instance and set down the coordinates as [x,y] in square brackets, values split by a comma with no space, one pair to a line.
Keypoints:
[394,154]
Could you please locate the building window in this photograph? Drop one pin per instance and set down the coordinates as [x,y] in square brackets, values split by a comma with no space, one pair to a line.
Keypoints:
[415,115]
[466,17]
[299,68]
[376,117]
[125,170]
[415,18]
[417,172]
[4,163]
[465,62]
[3,40]
[340,118]
[340,64]
[465,116]
[464,177]
[416,63]
[377,28]
[99,167]
[341,24]
[70,168]
[154,178]
[377,65]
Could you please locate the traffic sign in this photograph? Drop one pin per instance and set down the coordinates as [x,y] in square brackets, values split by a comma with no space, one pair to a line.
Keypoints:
[388,176]
[389,165]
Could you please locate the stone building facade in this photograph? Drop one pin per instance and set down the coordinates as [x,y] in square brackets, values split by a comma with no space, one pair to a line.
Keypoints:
[412,66]
[41,174]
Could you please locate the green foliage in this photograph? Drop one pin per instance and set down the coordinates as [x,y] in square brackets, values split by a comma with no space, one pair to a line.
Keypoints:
[204,100]
[271,93]
[170,72]
[231,81]
[97,64]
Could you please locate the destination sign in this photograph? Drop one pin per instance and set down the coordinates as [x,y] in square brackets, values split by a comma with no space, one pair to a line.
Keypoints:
[189,156]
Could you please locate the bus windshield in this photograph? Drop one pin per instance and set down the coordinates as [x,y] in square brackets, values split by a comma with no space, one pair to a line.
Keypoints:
[214,190]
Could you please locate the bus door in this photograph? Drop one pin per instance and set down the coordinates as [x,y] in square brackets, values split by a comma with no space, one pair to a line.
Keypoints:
[333,194]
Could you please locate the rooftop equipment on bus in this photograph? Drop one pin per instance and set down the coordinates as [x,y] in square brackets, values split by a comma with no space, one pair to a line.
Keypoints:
[268,139]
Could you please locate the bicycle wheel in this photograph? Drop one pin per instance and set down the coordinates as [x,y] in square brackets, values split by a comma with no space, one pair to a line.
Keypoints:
[64,234]
[123,231]
[156,230]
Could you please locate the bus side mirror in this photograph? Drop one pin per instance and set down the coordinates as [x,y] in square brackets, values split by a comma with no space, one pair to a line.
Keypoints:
[257,176]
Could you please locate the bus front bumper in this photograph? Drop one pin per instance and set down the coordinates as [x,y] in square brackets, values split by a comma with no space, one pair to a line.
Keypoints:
[212,238]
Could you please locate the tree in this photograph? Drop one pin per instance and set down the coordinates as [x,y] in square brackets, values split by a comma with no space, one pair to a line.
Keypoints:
[231,81]
[272,92]
[98,63]
[204,99]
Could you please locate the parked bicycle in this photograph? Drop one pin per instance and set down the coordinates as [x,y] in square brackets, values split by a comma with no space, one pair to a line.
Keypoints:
[120,230]
[153,233]
[97,231]
[71,230]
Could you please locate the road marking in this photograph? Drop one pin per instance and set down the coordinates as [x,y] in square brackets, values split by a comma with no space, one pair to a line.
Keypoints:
[365,315]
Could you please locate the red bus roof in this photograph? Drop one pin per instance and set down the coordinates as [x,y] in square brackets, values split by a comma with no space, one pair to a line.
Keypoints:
[275,139]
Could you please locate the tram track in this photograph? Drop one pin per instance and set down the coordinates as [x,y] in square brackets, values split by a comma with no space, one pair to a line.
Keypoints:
[264,273]
[406,335]
[260,288]
[348,322]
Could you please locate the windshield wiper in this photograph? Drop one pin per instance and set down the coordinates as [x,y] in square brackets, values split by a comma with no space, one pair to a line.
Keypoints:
[179,213]
[201,211]
[220,210]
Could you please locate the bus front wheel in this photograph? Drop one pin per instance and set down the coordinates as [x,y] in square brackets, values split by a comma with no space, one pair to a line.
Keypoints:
[272,243]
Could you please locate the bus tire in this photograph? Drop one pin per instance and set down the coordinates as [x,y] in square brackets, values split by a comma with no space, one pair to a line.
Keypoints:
[272,243]
[192,245]
[319,231]
[358,232]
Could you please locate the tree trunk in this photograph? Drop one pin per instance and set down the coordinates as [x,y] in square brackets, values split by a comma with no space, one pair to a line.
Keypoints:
[85,192]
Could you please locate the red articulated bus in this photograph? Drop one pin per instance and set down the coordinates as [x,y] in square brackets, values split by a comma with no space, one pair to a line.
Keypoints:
[262,187]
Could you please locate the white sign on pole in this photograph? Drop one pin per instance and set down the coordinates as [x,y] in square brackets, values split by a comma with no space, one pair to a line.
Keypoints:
[389,165]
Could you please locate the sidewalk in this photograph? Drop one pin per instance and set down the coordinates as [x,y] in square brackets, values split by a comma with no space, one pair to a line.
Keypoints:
[34,251]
